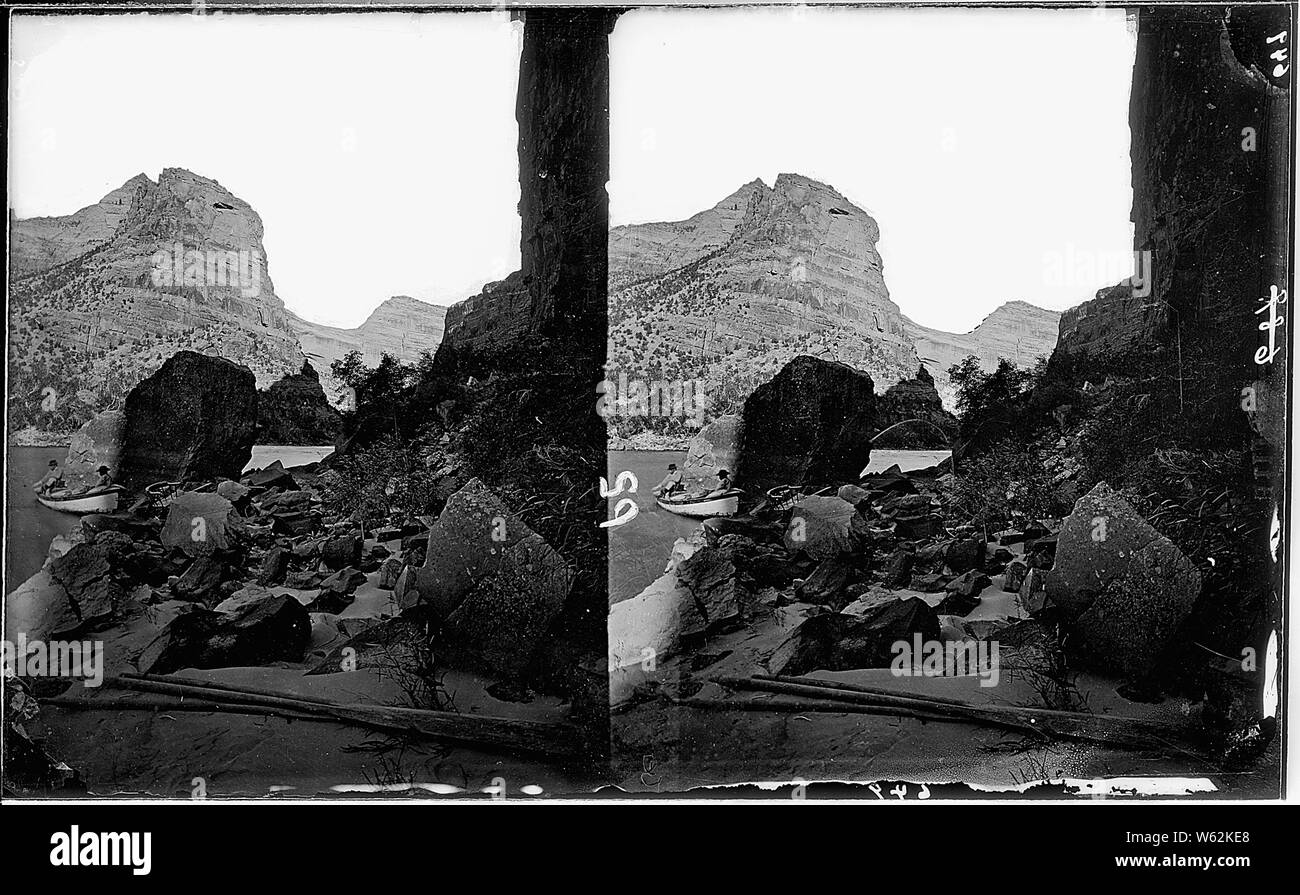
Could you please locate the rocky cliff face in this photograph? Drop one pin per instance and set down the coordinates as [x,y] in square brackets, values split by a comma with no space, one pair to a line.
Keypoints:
[496,316]
[100,298]
[1017,330]
[1209,150]
[39,243]
[402,326]
[295,410]
[647,250]
[737,291]
[733,294]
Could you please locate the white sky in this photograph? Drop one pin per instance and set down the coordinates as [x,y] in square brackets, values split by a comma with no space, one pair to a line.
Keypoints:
[379,150]
[991,146]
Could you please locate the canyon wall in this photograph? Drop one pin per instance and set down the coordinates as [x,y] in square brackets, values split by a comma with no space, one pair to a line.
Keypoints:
[402,326]
[100,298]
[1018,331]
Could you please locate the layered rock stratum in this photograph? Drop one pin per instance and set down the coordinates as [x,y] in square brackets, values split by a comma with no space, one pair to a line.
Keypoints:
[101,298]
[735,292]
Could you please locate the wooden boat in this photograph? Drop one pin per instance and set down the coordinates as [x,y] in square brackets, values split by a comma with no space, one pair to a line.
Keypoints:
[701,505]
[98,501]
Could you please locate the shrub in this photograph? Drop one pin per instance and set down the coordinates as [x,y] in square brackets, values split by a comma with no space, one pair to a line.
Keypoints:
[1007,485]
[381,481]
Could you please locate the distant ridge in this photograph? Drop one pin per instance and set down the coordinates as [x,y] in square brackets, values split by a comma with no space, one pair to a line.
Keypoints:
[1017,330]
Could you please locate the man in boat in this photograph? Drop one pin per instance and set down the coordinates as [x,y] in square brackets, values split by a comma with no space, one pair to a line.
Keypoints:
[724,482]
[671,483]
[52,480]
[102,482]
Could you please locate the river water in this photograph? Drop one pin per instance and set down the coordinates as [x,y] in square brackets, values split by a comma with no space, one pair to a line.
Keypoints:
[29,526]
[639,549]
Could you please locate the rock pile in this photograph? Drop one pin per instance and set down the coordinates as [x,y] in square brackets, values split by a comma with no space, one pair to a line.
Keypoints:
[869,561]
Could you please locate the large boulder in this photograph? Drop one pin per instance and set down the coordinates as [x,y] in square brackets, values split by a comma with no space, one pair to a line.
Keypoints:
[502,622]
[712,577]
[195,418]
[491,581]
[39,609]
[811,424]
[714,447]
[823,527]
[258,632]
[97,443]
[1128,626]
[840,642]
[199,523]
[85,575]
[1125,586]
[1103,539]
[649,627]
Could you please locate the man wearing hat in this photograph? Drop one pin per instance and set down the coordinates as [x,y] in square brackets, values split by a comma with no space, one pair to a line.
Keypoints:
[671,482]
[102,482]
[52,480]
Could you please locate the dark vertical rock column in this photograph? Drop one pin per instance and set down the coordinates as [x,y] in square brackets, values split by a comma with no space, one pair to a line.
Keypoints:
[1210,115]
[563,113]
[1203,202]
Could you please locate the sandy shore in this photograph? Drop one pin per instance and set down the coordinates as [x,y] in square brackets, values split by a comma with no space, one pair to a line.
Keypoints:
[167,752]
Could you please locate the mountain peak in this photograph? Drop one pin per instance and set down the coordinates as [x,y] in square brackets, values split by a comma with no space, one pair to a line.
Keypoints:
[125,297]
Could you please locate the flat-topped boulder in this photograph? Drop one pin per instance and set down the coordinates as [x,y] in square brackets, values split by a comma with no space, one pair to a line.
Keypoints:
[823,527]
[195,418]
[257,631]
[811,424]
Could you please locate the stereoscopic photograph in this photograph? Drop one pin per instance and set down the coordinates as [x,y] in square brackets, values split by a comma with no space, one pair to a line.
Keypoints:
[977,320]
[529,402]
